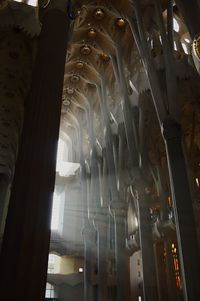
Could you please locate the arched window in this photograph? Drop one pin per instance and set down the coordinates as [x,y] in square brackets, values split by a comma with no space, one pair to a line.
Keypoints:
[57,212]
[51,292]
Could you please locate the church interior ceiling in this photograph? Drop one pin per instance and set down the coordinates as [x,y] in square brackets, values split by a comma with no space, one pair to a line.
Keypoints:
[131,72]
[129,65]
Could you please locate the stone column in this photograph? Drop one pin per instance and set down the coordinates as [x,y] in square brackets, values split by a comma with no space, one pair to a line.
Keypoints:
[101,223]
[90,262]
[183,210]
[146,243]
[15,75]
[160,269]
[4,198]
[108,137]
[89,232]
[24,255]
[119,210]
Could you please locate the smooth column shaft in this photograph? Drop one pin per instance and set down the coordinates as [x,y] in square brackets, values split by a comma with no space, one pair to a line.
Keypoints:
[146,244]
[183,211]
[25,247]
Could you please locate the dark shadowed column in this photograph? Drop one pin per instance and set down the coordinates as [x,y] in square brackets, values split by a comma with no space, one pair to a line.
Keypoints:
[24,255]
[183,210]
[89,236]
[119,210]
[190,11]
[150,289]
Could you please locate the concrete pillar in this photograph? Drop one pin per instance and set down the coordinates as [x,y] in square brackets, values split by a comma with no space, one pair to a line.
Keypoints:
[129,122]
[160,271]
[146,243]
[119,210]
[183,210]
[101,223]
[24,255]
[89,232]
[15,76]
[108,137]
[5,184]
[89,235]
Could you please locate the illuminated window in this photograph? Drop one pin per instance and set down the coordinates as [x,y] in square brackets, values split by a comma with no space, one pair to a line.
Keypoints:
[64,168]
[176,266]
[176,26]
[32,2]
[57,213]
[50,291]
[185,48]
[165,258]
[80,270]
[53,264]
[187,40]
[169,201]
[29,2]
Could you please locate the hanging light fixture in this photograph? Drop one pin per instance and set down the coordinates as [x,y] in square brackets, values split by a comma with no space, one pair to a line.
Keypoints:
[92,33]
[99,14]
[66,101]
[75,78]
[104,57]
[79,65]
[70,91]
[86,50]
[120,22]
